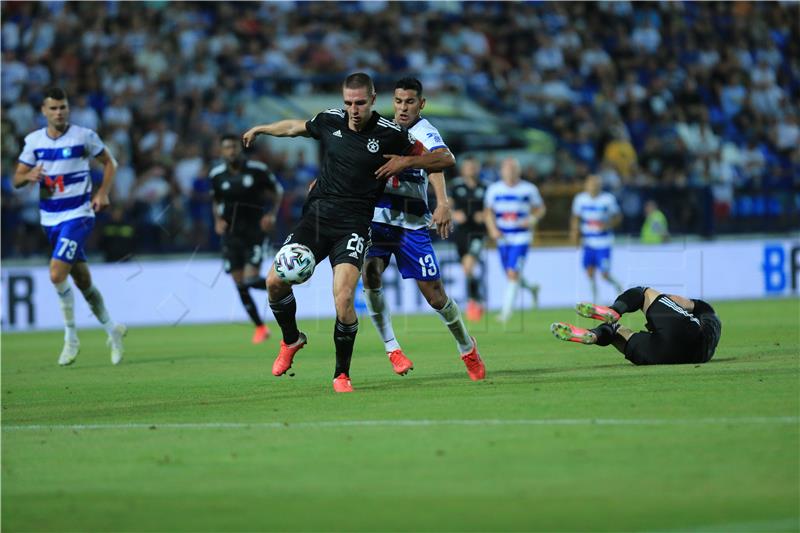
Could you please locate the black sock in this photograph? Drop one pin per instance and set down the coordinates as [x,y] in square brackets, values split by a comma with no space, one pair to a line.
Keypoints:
[344,336]
[256,283]
[605,334]
[629,301]
[285,311]
[249,304]
[473,288]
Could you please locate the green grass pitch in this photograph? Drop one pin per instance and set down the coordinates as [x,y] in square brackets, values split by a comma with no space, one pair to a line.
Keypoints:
[192,432]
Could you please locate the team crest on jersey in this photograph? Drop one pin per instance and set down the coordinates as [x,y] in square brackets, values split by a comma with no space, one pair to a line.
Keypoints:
[66,152]
[411,138]
[247,181]
[373,146]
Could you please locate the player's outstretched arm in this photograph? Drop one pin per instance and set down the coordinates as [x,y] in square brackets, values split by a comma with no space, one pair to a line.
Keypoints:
[26,174]
[430,161]
[101,200]
[282,128]
[442,217]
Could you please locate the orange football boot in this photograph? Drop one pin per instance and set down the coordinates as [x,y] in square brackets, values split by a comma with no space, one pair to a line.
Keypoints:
[400,363]
[284,360]
[342,383]
[597,312]
[475,366]
[568,332]
[261,334]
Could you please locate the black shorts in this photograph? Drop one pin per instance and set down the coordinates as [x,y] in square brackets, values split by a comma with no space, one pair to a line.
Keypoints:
[340,242]
[469,243]
[240,249]
[673,337]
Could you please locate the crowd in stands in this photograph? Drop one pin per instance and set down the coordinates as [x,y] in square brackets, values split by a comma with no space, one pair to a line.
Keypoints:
[679,94]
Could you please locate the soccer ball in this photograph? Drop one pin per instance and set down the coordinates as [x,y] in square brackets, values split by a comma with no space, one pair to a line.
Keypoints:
[294,263]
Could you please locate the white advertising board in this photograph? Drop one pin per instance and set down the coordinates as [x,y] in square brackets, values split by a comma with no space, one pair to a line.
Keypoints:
[198,291]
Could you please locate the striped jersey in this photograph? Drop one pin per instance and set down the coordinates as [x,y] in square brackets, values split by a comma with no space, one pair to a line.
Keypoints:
[512,206]
[404,201]
[595,213]
[66,191]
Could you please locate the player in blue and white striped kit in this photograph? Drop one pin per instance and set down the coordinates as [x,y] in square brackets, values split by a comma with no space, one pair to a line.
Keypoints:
[596,214]
[512,209]
[57,159]
[400,228]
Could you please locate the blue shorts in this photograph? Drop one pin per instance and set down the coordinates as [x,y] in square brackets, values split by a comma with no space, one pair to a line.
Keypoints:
[412,249]
[67,239]
[513,256]
[597,257]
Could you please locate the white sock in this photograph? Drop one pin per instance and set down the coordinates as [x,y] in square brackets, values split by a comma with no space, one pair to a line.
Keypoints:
[67,300]
[508,299]
[380,316]
[451,316]
[98,307]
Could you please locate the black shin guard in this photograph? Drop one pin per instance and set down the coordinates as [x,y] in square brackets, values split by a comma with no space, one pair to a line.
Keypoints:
[285,311]
[629,301]
[344,337]
[249,304]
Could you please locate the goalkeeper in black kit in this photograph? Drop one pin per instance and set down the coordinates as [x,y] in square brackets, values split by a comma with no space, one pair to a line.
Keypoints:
[679,330]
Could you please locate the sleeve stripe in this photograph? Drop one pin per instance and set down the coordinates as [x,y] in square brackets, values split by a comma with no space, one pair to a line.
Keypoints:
[26,163]
[437,147]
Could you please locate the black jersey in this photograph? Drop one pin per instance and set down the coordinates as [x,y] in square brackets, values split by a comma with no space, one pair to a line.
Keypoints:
[346,187]
[470,201]
[240,195]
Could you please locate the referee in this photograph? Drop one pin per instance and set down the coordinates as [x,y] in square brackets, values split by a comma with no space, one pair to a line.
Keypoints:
[679,330]
[246,200]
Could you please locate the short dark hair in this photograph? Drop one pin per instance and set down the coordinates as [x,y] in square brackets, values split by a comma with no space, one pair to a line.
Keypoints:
[229,137]
[358,80]
[409,84]
[56,93]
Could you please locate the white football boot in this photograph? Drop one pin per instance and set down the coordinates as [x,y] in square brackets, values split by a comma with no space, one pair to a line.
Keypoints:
[69,353]
[115,342]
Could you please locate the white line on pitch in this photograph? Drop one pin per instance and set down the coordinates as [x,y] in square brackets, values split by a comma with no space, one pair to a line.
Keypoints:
[422,423]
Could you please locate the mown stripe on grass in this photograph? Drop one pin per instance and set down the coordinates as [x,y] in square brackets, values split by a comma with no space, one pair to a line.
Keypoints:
[793,420]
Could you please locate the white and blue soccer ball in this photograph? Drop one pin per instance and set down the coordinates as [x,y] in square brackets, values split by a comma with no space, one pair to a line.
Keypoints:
[295,263]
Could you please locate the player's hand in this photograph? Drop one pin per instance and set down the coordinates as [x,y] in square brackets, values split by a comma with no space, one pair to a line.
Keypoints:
[100,201]
[459,217]
[267,223]
[495,234]
[443,220]
[393,167]
[250,136]
[34,175]
[220,226]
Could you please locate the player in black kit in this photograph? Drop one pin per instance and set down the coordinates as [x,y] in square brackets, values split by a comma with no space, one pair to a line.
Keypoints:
[467,193]
[360,150]
[679,330]
[242,188]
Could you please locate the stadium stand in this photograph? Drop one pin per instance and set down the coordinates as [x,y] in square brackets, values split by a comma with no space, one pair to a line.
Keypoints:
[692,104]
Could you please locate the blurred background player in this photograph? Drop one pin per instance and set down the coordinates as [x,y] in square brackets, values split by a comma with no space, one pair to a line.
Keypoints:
[400,228]
[512,209]
[467,193]
[655,229]
[679,330]
[243,188]
[356,143]
[57,158]
[595,213]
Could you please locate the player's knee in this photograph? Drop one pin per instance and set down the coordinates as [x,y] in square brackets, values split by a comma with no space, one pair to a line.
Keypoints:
[344,303]
[373,269]
[276,287]
[513,275]
[435,295]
